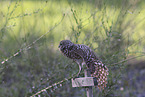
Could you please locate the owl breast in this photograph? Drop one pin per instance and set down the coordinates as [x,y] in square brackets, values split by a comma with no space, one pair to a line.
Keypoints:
[71,54]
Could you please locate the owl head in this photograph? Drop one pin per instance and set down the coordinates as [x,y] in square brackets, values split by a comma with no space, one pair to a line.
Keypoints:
[65,45]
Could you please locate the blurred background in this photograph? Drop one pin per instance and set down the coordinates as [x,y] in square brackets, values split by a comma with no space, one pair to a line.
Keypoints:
[30,32]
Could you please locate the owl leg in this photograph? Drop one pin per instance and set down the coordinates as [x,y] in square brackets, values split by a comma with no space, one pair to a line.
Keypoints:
[80,69]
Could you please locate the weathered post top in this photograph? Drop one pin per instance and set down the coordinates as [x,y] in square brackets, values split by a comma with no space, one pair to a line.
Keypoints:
[86,82]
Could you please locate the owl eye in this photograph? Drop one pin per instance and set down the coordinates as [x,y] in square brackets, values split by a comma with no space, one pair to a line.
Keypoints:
[61,43]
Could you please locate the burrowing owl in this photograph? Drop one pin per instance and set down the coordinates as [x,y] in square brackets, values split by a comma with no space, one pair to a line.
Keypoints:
[81,53]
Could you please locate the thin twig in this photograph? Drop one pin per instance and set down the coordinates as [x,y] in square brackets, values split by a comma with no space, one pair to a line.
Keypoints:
[29,46]
[128,59]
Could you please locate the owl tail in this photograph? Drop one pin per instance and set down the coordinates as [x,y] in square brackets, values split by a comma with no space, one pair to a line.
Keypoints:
[101,72]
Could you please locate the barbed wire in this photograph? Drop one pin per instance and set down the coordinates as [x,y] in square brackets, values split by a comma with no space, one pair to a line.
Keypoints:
[53,85]
[30,45]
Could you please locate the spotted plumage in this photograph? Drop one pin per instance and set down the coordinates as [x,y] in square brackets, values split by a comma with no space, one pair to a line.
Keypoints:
[81,54]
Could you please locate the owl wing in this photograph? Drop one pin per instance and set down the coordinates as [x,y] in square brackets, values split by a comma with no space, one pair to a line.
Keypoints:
[81,50]
[87,54]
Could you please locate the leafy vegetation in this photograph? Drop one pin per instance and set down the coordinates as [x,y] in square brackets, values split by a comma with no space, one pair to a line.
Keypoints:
[30,32]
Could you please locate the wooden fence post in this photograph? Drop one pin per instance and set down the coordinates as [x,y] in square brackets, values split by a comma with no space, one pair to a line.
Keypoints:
[89,89]
[87,82]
